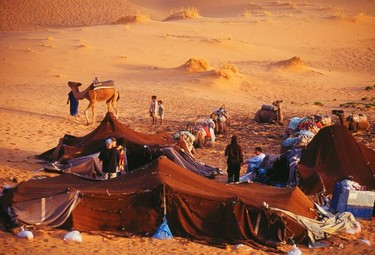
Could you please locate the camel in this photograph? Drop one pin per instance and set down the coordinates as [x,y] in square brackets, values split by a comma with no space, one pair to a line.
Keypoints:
[203,131]
[270,113]
[185,141]
[96,92]
[221,120]
[354,122]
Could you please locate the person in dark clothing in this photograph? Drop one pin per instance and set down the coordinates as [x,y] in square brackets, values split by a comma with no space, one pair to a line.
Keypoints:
[109,157]
[73,104]
[234,155]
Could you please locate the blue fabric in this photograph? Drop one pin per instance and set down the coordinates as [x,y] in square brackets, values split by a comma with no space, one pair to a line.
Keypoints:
[73,104]
[163,232]
[254,162]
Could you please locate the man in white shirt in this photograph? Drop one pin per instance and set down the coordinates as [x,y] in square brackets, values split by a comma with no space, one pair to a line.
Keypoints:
[254,163]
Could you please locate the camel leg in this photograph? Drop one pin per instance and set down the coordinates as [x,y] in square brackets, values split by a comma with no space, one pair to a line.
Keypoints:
[221,127]
[108,103]
[86,113]
[91,105]
[93,114]
[114,105]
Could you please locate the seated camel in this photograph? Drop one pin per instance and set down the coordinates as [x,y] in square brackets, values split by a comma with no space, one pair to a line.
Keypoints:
[203,131]
[354,122]
[270,113]
[185,141]
[221,118]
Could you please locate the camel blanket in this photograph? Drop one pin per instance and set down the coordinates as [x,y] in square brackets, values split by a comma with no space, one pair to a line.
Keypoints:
[103,85]
[358,117]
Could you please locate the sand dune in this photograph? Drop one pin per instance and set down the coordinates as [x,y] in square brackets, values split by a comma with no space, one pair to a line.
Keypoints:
[315,55]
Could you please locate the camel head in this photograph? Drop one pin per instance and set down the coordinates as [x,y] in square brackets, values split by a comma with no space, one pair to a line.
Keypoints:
[277,103]
[280,116]
[73,84]
[338,112]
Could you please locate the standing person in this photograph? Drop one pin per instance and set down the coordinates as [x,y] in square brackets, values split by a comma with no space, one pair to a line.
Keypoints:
[234,155]
[253,168]
[122,164]
[123,161]
[160,111]
[73,104]
[109,158]
[152,110]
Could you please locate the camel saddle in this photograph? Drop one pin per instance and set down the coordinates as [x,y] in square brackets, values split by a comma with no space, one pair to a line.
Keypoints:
[102,84]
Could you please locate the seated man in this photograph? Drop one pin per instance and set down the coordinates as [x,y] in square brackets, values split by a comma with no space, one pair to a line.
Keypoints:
[254,162]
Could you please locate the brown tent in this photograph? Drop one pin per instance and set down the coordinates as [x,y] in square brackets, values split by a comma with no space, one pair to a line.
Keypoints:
[332,155]
[196,207]
[141,148]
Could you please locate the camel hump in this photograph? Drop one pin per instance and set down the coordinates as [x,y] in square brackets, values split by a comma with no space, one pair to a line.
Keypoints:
[267,107]
[358,117]
[103,84]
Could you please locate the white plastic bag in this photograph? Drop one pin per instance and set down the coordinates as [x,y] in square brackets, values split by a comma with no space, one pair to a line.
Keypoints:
[73,236]
[25,234]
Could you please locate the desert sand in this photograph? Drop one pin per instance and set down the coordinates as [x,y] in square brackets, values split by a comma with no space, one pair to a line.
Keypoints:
[314,55]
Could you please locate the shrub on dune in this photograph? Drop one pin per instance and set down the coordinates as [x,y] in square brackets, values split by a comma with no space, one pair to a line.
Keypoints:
[227,71]
[132,18]
[194,65]
[184,13]
[292,64]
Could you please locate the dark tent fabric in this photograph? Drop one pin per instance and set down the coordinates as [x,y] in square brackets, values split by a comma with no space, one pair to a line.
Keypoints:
[90,166]
[87,166]
[141,148]
[183,159]
[332,155]
[196,207]
[52,211]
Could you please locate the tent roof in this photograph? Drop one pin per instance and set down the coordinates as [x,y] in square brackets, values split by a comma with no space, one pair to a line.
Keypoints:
[332,155]
[73,147]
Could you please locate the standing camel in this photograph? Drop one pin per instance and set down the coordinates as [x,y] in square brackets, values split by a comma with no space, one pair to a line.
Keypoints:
[270,113]
[354,122]
[96,92]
